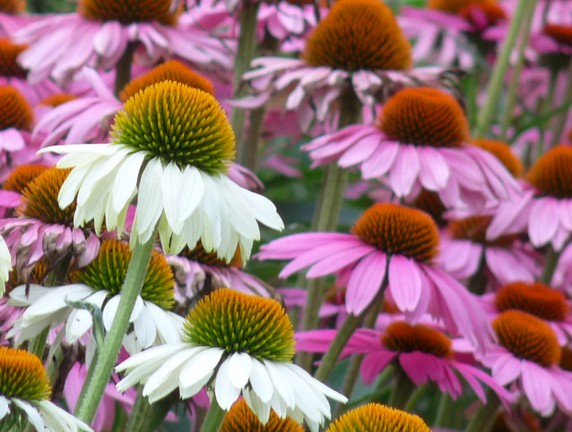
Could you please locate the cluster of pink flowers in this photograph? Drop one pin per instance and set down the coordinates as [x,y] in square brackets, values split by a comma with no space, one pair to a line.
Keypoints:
[420,158]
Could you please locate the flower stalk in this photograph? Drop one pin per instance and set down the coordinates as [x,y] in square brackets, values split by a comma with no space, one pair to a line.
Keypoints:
[136,272]
[485,417]
[214,417]
[560,121]
[494,89]
[146,417]
[403,389]
[123,68]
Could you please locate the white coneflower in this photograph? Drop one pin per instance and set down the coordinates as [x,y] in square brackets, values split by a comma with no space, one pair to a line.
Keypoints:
[234,344]
[24,396]
[171,148]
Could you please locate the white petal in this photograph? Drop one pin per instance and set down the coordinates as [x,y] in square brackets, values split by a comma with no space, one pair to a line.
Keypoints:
[261,382]
[33,414]
[125,182]
[4,407]
[225,392]
[182,192]
[239,368]
[145,328]
[149,205]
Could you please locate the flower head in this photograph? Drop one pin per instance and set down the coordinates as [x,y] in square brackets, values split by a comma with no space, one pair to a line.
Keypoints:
[377,417]
[389,245]
[16,112]
[25,392]
[235,344]
[420,141]
[9,52]
[171,146]
[358,35]
[129,11]
[529,354]
[503,152]
[42,228]
[12,6]
[241,418]
[99,284]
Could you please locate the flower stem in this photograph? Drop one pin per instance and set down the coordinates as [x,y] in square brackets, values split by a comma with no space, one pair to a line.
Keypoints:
[402,390]
[214,418]
[485,416]
[517,69]
[495,84]
[146,417]
[123,68]
[345,332]
[37,345]
[415,397]
[443,411]
[326,217]
[550,264]
[247,47]
[561,119]
[251,148]
[136,272]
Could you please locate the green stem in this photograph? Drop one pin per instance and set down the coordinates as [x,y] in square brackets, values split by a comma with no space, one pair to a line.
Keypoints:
[136,273]
[146,417]
[345,332]
[485,416]
[252,149]
[477,283]
[513,87]
[37,345]
[214,417]
[247,47]
[443,411]
[550,264]
[561,119]
[123,68]
[415,397]
[402,390]
[495,85]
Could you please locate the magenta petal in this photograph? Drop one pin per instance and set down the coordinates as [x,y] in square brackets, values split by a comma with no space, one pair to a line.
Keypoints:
[405,282]
[534,384]
[506,369]
[542,226]
[374,363]
[365,282]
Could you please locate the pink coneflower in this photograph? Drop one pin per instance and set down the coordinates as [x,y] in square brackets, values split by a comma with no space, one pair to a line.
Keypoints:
[88,119]
[528,355]
[420,140]
[554,39]
[15,184]
[466,251]
[99,33]
[43,229]
[358,48]
[13,16]
[387,242]
[198,272]
[536,299]
[423,353]
[287,19]
[454,32]
[545,210]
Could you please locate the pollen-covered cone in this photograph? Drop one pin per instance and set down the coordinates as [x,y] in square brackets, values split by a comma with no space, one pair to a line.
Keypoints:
[234,343]
[171,147]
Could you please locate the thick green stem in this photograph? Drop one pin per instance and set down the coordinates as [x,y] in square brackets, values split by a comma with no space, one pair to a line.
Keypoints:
[123,68]
[326,218]
[561,118]
[495,85]
[443,411]
[514,85]
[402,390]
[485,416]
[37,345]
[146,417]
[136,272]
[345,332]
[247,47]
[251,150]
[214,417]
[416,397]
[550,264]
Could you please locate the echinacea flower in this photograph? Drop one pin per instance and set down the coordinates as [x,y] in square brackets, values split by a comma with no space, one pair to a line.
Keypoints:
[100,32]
[545,209]
[241,418]
[376,417]
[466,251]
[234,344]
[357,48]
[42,229]
[198,272]
[16,120]
[455,32]
[171,148]
[24,396]
[536,299]
[99,284]
[420,140]
[423,353]
[528,354]
[554,38]
[88,119]
[393,243]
